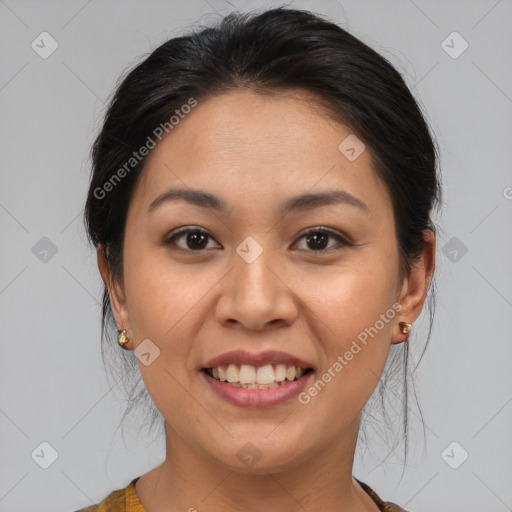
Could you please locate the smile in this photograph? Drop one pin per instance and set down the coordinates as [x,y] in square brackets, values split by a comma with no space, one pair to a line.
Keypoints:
[249,376]
[246,385]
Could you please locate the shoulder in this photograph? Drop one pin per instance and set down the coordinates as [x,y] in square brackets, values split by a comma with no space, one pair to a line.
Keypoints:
[384,506]
[120,500]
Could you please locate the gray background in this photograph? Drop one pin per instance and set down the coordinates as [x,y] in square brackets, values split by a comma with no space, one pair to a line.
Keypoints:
[53,386]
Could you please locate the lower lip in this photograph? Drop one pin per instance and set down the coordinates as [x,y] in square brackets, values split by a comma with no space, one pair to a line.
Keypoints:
[257,397]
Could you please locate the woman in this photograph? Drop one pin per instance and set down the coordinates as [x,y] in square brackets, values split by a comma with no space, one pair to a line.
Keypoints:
[261,203]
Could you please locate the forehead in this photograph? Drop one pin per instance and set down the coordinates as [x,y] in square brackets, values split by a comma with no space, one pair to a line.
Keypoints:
[240,123]
[263,145]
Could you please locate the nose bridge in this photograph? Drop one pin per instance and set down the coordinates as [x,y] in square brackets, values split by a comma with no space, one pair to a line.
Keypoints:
[253,272]
[254,294]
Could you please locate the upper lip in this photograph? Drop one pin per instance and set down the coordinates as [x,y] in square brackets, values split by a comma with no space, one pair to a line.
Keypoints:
[259,359]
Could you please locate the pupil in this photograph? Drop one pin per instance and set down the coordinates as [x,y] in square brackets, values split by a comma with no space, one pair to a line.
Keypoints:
[316,238]
[195,238]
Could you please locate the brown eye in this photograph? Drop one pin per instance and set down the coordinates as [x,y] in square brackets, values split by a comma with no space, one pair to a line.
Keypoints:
[194,240]
[317,240]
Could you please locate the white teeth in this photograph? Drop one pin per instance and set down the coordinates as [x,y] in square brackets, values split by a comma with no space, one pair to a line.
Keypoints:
[280,372]
[290,372]
[256,377]
[247,374]
[232,373]
[265,374]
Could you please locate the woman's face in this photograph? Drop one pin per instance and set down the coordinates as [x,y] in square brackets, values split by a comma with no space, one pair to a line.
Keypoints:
[254,281]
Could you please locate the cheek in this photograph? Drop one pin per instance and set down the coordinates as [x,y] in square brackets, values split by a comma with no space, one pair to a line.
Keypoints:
[353,310]
[164,304]
[351,296]
[165,297]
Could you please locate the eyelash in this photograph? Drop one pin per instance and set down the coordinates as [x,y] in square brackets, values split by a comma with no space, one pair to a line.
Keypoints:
[319,230]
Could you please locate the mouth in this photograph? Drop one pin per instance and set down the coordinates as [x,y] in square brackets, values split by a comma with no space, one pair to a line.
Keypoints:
[250,376]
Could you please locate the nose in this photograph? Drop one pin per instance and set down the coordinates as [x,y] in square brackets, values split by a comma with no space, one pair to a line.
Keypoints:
[255,295]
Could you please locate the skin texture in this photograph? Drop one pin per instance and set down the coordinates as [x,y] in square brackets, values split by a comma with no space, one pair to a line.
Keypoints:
[256,151]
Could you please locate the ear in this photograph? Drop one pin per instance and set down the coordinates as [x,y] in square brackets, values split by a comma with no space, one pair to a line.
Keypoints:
[115,291]
[415,287]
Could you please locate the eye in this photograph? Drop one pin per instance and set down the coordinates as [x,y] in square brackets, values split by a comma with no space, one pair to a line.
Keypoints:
[317,239]
[195,239]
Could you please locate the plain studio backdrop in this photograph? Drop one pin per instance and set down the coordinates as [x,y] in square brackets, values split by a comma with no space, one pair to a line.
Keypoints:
[60,449]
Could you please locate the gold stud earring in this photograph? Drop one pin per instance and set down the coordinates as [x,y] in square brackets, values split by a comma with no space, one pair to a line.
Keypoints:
[404,327]
[122,338]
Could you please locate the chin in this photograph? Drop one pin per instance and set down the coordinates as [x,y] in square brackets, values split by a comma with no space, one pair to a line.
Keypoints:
[260,457]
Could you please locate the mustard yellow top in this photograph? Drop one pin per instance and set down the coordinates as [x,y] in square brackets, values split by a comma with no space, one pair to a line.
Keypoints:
[126,500]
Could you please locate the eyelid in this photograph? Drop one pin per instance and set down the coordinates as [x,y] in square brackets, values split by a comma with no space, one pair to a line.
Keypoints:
[341,238]
[169,239]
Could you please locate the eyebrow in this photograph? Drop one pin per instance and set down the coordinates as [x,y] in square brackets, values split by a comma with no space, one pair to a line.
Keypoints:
[297,203]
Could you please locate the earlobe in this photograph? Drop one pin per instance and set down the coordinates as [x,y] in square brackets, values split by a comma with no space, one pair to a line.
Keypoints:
[415,288]
[115,291]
